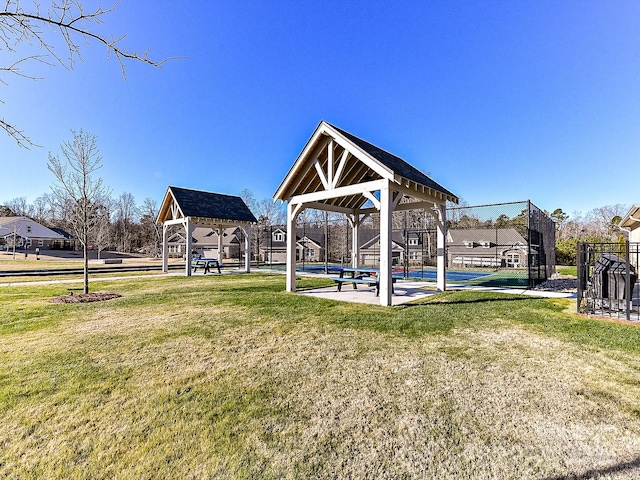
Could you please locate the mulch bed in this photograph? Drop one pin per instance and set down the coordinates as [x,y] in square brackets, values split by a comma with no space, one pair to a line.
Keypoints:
[85,297]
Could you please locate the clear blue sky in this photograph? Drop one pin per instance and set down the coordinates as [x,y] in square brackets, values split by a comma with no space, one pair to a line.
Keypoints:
[497,100]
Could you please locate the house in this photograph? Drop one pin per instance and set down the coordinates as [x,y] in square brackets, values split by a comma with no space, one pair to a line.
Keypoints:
[310,245]
[25,233]
[631,222]
[204,242]
[495,248]
[415,249]
[69,243]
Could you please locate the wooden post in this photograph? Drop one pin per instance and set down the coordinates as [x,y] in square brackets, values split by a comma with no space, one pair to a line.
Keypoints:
[385,246]
[220,233]
[442,247]
[291,247]
[354,220]
[188,228]
[165,248]
[247,248]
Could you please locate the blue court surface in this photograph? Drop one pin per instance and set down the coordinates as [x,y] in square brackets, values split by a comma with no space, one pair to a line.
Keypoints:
[452,275]
[426,274]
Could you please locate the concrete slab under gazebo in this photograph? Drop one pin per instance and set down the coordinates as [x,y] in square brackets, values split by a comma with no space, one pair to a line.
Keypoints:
[196,208]
[337,171]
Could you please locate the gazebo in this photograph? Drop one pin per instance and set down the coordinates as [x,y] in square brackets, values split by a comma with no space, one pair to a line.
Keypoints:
[194,208]
[339,172]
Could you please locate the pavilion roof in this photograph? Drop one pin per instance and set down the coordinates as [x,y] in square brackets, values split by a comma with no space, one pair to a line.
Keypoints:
[334,158]
[183,202]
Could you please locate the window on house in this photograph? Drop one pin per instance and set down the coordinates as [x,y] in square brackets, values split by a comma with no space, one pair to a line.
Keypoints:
[413,241]
[28,228]
[278,237]
[513,259]
[413,255]
[311,252]
[41,243]
[486,244]
[468,244]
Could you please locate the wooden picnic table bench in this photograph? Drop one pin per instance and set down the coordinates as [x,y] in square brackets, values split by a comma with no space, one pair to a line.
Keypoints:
[206,263]
[362,275]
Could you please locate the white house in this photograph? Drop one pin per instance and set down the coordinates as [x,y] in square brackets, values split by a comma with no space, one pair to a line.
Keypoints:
[26,233]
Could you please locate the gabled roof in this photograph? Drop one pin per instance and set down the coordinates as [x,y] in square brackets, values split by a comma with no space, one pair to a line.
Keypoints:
[374,239]
[182,202]
[26,227]
[504,236]
[632,218]
[335,158]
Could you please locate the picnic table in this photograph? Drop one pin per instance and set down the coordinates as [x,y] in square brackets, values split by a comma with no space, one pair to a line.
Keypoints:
[206,263]
[363,275]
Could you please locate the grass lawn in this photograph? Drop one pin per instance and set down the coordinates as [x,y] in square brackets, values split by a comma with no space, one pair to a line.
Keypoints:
[230,377]
[570,271]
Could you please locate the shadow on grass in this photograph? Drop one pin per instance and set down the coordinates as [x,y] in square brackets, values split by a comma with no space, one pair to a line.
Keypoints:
[598,472]
[463,301]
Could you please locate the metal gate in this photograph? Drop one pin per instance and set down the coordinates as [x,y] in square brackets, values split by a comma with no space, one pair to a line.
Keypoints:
[608,281]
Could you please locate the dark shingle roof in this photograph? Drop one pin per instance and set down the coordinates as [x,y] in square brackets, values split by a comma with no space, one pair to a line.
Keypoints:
[62,232]
[195,203]
[394,163]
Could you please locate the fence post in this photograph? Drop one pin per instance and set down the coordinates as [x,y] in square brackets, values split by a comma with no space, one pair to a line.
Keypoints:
[579,262]
[627,281]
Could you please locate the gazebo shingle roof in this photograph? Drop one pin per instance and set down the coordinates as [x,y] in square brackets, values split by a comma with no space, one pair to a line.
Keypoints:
[394,163]
[335,156]
[196,203]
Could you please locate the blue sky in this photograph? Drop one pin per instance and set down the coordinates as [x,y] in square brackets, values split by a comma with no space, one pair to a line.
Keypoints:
[498,101]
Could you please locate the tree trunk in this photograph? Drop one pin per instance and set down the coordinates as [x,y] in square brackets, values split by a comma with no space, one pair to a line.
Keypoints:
[85,250]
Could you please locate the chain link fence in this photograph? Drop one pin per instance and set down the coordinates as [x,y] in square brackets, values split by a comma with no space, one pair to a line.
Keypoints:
[512,244]
[509,245]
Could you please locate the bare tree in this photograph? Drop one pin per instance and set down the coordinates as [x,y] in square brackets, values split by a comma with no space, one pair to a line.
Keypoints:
[20,207]
[125,216]
[150,230]
[78,190]
[102,225]
[43,209]
[6,211]
[37,28]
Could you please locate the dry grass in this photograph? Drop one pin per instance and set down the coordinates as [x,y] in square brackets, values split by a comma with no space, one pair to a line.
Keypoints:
[164,383]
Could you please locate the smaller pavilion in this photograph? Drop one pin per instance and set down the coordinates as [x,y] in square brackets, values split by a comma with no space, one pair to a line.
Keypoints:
[339,172]
[195,208]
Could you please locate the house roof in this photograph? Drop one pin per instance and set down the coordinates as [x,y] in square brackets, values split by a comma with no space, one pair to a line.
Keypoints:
[502,239]
[500,236]
[632,218]
[371,237]
[62,232]
[334,158]
[26,227]
[183,202]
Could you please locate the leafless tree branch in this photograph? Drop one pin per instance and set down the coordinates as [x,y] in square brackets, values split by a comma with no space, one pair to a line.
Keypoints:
[39,29]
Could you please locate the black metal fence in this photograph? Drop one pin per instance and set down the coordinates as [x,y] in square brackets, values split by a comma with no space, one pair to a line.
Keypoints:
[608,280]
[509,244]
